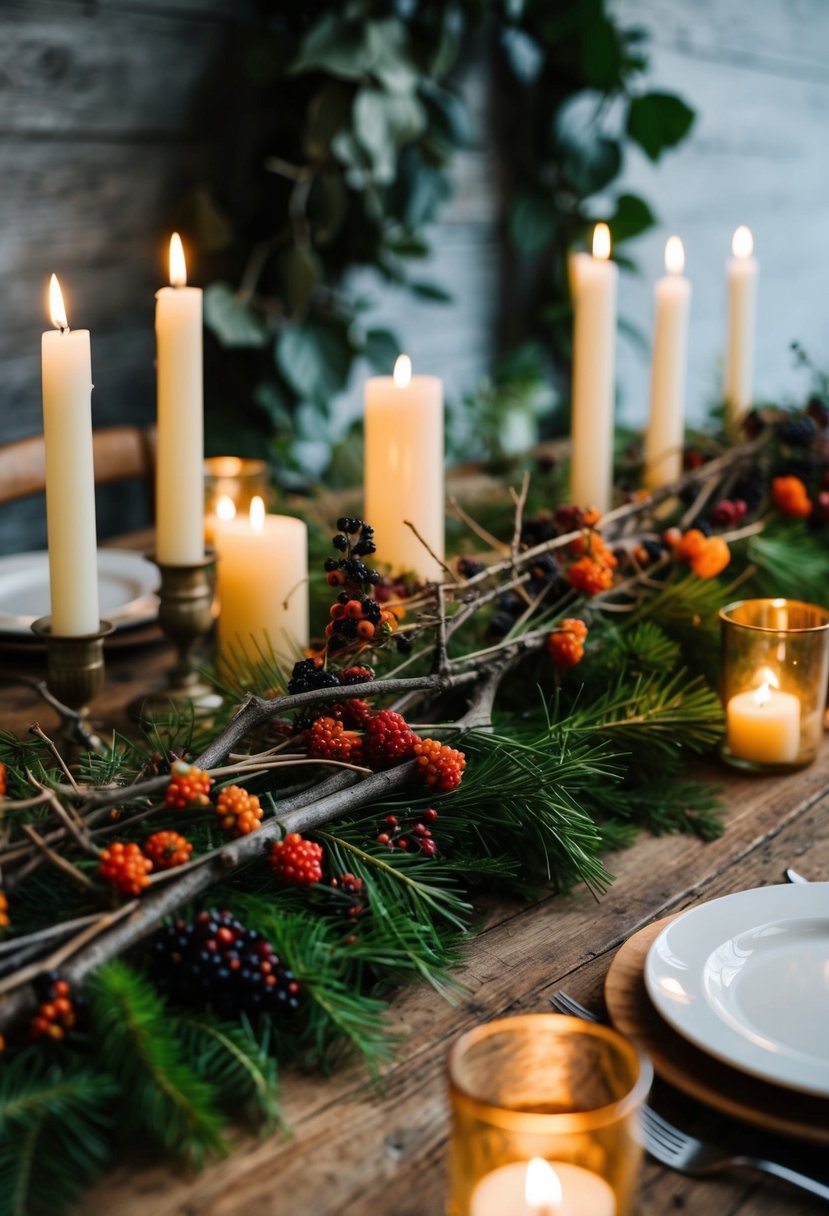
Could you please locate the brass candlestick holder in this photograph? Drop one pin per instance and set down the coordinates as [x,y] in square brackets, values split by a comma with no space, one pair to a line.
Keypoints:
[185,616]
[74,674]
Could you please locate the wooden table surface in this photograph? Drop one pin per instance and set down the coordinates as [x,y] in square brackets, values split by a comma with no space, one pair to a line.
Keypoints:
[357,1149]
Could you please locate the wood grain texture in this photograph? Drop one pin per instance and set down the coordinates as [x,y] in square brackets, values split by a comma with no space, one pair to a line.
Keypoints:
[356,1150]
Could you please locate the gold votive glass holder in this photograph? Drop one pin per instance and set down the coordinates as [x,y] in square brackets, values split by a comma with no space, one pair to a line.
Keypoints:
[238,479]
[543,1086]
[775,666]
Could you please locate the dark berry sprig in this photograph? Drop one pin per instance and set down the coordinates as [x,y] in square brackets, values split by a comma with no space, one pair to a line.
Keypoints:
[55,1013]
[215,960]
[409,834]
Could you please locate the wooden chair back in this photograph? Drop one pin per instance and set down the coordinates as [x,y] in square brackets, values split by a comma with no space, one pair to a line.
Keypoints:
[120,453]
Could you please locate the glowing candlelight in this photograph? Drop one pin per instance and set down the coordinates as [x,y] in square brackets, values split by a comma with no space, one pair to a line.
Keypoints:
[666,425]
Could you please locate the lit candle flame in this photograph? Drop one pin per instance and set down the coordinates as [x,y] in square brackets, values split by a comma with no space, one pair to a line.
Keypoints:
[402,371]
[178,266]
[766,676]
[257,514]
[57,309]
[601,242]
[542,1189]
[225,509]
[742,243]
[762,695]
[674,255]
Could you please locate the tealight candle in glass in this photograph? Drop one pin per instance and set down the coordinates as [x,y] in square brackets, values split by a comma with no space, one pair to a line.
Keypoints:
[544,1112]
[233,482]
[775,664]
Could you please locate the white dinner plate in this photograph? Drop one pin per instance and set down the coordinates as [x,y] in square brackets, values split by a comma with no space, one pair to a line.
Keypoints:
[746,978]
[126,586]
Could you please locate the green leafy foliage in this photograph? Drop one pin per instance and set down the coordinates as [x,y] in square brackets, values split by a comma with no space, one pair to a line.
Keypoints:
[168,1101]
[235,1063]
[55,1120]
[790,554]
[657,121]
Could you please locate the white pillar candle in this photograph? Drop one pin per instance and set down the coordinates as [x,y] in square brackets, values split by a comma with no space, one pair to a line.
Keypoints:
[404,476]
[594,358]
[262,585]
[742,272]
[666,427]
[66,362]
[763,725]
[541,1189]
[180,455]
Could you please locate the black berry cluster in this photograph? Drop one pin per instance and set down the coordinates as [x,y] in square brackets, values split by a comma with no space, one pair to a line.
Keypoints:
[354,539]
[797,431]
[214,960]
[309,675]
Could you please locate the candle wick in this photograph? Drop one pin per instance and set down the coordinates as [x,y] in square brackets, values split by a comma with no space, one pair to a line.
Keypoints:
[64,329]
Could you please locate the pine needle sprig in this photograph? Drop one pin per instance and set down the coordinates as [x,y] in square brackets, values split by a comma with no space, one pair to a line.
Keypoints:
[660,807]
[658,714]
[55,1120]
[136,1036]
[789,560]
[235,1063]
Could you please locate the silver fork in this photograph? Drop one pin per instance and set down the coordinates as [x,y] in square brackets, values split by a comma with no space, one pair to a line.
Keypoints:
[679,1151]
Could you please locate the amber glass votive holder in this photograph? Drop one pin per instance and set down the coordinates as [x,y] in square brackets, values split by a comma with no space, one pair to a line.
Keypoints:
[775,666]
[238,479]
[550,1087]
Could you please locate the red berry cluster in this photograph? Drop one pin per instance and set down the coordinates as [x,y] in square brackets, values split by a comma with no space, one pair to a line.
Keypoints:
[353,713]
[189,787]
[439,766]
[389,739]
[353,889]
[55,1013]
[239,812]
[728,512]
[125,867]
[328,739]
[3,780]
[565,645]
[167,850]
[413,833]
[296,861]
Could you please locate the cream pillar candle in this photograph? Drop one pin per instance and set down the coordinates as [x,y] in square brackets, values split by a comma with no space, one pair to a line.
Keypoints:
[540,1189]
[180,455]
[763,725]
[594,357]
[666,428]
[404,460]
[262,585]
[66,362]
[742,271]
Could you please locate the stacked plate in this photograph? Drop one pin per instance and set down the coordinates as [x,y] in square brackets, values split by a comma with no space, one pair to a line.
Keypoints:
[745,979]
[126,587]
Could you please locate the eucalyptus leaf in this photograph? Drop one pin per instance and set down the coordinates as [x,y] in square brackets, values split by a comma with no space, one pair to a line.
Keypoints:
[301,271]
[315,360]
[234,323]
[327,115]
[336,46]
[383,123]
[632,217]
[381,349]
[532,222]
[657,121]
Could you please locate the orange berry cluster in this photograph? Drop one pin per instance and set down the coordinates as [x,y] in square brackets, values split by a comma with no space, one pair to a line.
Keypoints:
[296,861]
[707,556]
[3,780]
[592,571]
[239,812]
[328,739]
[166,850]
[5,920]
[565,645]
[790,497]
[56,1013]
[440,767]
[189,787]
[125,867]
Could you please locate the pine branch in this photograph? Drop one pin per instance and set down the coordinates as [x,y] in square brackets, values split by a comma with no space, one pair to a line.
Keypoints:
[136,1037]
[659,714]
[234,1062]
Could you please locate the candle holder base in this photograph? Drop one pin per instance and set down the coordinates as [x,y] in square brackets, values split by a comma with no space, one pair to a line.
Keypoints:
[761,768]
[185,616]
[74,674]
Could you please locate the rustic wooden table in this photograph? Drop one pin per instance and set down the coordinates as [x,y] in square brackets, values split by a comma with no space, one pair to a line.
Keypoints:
[357,1149]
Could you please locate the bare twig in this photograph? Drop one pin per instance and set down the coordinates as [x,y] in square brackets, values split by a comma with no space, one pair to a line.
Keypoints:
[56,860]
[429,549]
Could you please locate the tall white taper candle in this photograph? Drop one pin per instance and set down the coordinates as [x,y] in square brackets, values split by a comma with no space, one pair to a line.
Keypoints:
[742,271]
[66,362]
[180,458]
[594,361]
[666,427]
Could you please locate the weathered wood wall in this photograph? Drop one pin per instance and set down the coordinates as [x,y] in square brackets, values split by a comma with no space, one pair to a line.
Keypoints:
[104,122]
[758,75]
[101,130]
